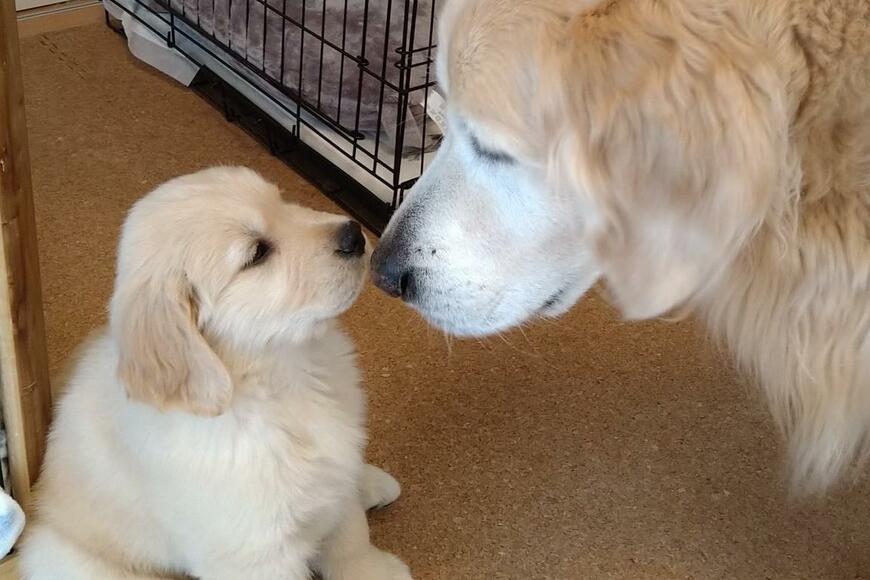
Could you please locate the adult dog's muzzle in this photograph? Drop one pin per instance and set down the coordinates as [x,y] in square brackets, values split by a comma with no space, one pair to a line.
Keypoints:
[392,271]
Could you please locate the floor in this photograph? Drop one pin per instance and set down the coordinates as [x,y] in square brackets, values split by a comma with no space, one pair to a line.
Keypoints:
[583,449]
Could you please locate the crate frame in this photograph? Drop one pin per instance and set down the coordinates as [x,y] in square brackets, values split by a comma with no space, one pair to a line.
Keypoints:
[281,119]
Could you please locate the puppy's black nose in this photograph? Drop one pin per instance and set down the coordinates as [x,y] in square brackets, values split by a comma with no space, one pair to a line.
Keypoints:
[392,277]
[351,241]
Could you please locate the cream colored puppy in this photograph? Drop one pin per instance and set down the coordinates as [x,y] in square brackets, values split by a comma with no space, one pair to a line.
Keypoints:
[704,156]
[217,429]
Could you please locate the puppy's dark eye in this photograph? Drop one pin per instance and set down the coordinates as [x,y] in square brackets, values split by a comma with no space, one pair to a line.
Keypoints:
[262,250]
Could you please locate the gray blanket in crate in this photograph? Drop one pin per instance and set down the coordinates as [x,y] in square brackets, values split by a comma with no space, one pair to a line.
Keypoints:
[269,35]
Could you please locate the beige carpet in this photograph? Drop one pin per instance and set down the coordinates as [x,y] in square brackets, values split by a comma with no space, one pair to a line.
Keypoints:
[588,448]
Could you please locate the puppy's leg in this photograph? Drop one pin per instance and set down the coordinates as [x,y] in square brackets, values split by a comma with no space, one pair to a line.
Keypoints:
[45,555]
[378,488]
[349,555]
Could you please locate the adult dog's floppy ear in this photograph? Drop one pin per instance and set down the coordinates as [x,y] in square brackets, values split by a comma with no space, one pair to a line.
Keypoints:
[680,139]
[164,359]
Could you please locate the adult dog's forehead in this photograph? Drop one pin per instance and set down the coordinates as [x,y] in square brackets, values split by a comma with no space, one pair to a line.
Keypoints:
[497,63]
[477,45]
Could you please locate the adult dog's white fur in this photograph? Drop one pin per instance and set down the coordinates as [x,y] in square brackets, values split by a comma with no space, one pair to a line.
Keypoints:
[216,430]
[706,156]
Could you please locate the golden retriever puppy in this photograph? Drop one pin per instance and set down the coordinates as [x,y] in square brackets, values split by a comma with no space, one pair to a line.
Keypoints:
[706,156]
[216,430]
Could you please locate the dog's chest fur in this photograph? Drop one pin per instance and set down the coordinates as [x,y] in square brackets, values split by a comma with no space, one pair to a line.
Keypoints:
[282,463]
[290,450]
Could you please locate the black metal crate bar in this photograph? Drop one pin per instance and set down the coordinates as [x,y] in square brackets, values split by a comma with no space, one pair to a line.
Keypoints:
[354,74]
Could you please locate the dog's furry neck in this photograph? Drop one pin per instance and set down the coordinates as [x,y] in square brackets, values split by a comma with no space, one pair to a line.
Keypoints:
[245,362]
[796,313]
[832,121]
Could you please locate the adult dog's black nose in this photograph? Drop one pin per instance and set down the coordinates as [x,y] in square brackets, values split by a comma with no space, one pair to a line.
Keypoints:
[351,241]
[392,275]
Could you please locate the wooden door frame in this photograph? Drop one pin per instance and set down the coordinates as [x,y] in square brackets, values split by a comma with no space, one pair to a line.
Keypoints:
[25,391]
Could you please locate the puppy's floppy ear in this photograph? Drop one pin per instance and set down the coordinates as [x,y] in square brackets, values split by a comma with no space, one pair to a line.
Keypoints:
[680,139]
[164,359]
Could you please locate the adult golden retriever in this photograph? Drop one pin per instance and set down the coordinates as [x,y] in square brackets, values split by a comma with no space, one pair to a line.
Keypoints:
[710,156]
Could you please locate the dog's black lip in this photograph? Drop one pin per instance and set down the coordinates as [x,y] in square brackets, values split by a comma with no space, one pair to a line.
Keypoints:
[553,299]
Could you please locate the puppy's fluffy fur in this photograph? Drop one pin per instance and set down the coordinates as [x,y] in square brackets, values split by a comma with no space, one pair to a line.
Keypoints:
[705,155]
[216,430]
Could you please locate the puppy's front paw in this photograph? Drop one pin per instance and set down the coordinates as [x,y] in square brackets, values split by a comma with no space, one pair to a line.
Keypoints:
[377,565]
[378,488]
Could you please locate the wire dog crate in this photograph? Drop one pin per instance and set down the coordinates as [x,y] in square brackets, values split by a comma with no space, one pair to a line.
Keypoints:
[343,90]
